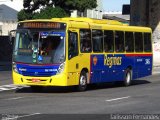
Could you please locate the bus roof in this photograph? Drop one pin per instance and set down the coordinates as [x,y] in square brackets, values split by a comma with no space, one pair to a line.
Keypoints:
[83,22]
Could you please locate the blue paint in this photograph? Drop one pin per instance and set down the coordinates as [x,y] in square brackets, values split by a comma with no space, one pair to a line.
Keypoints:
[37,70]
[141,67]
[53,33]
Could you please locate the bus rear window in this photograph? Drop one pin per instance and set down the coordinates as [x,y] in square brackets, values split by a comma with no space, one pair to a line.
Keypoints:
[147,42]
[138,42]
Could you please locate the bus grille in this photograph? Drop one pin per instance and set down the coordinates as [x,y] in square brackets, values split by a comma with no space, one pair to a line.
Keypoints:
[37,71]
[38,74]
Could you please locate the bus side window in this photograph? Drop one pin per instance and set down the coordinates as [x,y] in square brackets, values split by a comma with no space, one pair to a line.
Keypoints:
[108,41]
[97,39]
[85,41]
[119,41]
[129,42]
[138,42]
[147,42]
[72,45]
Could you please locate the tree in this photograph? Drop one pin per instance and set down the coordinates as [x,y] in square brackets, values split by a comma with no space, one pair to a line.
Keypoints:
[24,15]
[50,12]
[82,5]
[35,8]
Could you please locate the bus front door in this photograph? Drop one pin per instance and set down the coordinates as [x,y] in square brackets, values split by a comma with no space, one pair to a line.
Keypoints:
[73,58]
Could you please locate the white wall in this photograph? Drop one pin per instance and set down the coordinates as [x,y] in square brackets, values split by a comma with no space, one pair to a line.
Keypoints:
[94,13]
[156,54]
[8,26]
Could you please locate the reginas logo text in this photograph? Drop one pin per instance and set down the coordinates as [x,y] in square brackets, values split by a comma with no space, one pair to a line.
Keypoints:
[110,61]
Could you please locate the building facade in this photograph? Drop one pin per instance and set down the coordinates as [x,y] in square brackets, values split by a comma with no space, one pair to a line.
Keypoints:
[8,19]
[94,13]
[111,15]
[147,13]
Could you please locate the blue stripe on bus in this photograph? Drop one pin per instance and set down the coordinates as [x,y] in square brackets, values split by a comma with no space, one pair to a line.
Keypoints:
[37,70]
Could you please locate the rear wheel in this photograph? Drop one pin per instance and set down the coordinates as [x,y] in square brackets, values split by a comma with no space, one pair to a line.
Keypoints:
[128,77]
[82,82]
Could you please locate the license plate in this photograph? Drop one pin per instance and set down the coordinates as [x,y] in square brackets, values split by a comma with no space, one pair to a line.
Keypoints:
[36,80]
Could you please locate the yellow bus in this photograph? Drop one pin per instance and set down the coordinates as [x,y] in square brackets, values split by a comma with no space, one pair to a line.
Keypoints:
[80,51]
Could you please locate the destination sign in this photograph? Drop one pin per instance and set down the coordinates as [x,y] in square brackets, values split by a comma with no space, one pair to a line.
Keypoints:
[54,25]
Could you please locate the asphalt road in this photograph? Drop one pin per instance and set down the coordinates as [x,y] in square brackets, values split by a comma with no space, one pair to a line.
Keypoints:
[98,102]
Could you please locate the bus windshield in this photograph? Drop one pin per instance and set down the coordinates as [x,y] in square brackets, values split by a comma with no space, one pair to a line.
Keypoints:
[39,46]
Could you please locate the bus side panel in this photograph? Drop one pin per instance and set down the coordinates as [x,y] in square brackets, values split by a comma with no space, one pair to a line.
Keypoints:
[96,68]
[101,72]
[122,63]
[143,65]
[72,71]
[75,66]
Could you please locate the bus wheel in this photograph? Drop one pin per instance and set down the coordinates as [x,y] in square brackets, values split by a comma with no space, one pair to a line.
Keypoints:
[128,77]
[36,88]
[82,82]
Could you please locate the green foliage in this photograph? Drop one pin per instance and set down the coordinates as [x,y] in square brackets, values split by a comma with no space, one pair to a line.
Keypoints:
[82,5]
[53,8]
[23,15]
[50,12]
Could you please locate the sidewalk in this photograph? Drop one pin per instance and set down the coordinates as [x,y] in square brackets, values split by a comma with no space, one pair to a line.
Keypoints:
[5,77]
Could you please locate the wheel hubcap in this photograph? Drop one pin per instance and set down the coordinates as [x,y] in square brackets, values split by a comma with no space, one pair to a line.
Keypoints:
[83,81]
[128,77]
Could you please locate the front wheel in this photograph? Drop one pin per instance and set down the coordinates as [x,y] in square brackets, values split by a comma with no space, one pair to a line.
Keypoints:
[82,82]
[128,77]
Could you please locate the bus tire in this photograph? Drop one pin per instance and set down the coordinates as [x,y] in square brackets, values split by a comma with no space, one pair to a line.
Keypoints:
[128,77]
[36,88]
[82,82]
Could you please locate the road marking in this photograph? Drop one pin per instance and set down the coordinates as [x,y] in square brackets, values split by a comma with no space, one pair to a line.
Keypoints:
[3,89]
[10,87]
[15,98]
[118,99]
[15,117]
[28,115]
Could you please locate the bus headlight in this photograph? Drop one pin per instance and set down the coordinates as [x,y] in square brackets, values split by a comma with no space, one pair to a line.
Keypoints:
[14,67]
[61,68]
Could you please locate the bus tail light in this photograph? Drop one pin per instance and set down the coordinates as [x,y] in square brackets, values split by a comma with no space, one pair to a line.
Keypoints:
[61,68]
[14,67]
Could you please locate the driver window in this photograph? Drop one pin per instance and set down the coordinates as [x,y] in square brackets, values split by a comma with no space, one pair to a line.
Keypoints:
[72,45]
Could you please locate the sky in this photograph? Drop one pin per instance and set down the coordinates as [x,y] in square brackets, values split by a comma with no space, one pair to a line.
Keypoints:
[16,4]
[108,5]
[114,5]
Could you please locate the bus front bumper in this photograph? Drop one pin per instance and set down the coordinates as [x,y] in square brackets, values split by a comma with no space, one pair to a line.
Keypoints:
[56,80]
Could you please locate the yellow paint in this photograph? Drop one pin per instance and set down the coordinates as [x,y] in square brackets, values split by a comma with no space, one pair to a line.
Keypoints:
[74,66]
